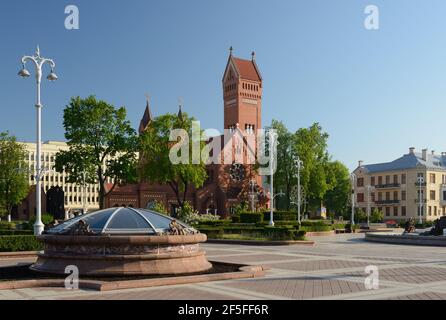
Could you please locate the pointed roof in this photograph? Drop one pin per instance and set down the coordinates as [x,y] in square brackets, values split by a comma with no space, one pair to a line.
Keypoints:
[246,69]
[146,118]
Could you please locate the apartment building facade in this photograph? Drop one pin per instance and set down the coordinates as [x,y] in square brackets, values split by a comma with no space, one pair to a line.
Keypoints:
[410,186]
[74,195]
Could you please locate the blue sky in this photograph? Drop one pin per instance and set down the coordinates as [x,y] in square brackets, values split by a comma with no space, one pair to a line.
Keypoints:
[375,92]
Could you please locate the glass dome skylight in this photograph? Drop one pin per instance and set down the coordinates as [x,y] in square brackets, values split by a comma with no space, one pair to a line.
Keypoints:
[121,221]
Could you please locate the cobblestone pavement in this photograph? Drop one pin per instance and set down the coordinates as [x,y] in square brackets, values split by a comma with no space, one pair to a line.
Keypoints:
[333,269]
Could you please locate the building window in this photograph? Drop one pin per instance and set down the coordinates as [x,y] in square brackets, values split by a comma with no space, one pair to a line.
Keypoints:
[395,195]
[395,211]
[403,211]
[432,194]
[443,179]
[380,196]
[403,195]
[395,178]
[380,180]
[387,196]
[360,182]
[435,210]
[372,181]
[387,179]
[360,197]
[430,210]
[403,178]
[432,178]
[387,211]
[373,196]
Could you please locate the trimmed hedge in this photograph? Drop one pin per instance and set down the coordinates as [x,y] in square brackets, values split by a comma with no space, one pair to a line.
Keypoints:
[251,217]
[19,243]
[5,225]
[316,228]
[280,216]
[215,222]
[15,232]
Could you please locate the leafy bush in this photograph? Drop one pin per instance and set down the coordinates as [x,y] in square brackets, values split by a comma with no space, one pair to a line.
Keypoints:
[360,216]
[47,219]
[235,219]
[19,243]
[190,216]
[280,216]
[157,206]
[5,225]
[251,217]
[376,216]
[338,226]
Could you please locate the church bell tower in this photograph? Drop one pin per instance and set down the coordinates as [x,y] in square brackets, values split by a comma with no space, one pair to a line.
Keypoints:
[242,94]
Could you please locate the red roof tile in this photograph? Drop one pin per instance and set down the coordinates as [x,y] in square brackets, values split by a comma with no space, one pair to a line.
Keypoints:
[247,69]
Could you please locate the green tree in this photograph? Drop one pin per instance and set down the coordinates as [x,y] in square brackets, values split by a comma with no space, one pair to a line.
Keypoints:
[14,172]
[336,198]
[285,175]
[360,216]
[156,166]
[102,145]
[311,146]
[376,216]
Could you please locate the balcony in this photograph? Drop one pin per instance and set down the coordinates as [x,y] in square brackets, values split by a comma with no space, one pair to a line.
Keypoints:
[387,202]
[388,186]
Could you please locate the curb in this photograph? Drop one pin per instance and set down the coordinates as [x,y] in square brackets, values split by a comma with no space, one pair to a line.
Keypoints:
[263,243]
[19,254]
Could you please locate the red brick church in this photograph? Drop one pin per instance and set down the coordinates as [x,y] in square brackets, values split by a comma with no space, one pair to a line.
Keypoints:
[227,184]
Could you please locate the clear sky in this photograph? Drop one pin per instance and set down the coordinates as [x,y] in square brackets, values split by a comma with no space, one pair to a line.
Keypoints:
[376,92]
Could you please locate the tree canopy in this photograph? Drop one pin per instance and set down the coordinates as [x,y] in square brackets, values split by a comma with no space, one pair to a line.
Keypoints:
[156,165]
[323,181]
[102,144]
[14,173]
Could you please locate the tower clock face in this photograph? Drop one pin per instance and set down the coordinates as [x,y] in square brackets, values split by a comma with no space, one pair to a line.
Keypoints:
[237,172]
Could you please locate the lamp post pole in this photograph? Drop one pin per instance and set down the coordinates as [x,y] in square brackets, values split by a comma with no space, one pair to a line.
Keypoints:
[271,163]
[420,199]
[298,163]
[369,189]
[353,179]
[38,63]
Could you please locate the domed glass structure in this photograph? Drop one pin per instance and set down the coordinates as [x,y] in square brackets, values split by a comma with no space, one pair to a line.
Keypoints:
[124,221]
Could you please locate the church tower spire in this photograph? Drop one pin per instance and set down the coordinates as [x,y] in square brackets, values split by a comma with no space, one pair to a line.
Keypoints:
[242,94]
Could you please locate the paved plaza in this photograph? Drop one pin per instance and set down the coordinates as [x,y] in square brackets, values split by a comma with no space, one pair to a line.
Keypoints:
[332,269]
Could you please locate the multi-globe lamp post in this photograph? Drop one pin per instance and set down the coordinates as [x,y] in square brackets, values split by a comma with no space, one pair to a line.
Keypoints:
[38,62]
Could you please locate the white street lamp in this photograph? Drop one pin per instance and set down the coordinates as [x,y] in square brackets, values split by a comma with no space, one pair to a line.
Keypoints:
[420,181]
[369,189]
[38,63]
[299,166]
[353,180]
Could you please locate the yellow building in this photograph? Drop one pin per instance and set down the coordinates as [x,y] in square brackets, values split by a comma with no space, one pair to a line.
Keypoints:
[412,184]
[75,195]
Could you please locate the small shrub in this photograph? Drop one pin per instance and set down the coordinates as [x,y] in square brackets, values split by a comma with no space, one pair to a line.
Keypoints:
[251,217]
[19,243]
[235,219]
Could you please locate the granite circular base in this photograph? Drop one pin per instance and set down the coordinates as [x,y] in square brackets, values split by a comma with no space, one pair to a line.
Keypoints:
[122,255]
[407,239]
